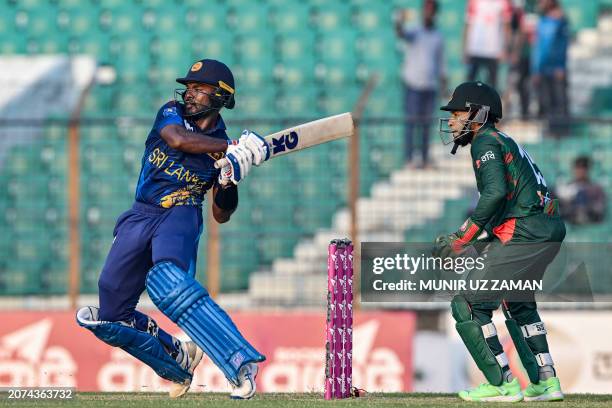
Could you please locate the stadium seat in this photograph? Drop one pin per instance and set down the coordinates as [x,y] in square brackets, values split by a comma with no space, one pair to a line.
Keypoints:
[75,20]
[209,20]
[337,46]
[385,101]
[16,44]
[338,100]
[290,16]
[274,246]
[122,18]
[332,16]
[372,16]
[170,54]
[255,102]
[581,14]
[94,43]
[377,47]
[254,49]
[248,17]
[295,74]
[298,102]
[164,18]
[296,46]
[214,45]
[36,21]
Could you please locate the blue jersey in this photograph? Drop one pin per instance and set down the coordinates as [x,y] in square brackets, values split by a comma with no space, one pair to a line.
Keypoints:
[169,177]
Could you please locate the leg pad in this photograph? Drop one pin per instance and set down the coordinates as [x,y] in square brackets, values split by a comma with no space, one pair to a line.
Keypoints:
[472,335]
[187,303]
[142,345]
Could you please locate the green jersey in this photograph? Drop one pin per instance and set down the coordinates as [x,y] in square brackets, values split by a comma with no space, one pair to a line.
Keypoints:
[509,182]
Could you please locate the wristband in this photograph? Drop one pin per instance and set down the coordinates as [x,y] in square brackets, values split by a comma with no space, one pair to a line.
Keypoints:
[226,198]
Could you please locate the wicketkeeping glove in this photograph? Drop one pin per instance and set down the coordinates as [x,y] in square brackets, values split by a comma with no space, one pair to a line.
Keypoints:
[452,245]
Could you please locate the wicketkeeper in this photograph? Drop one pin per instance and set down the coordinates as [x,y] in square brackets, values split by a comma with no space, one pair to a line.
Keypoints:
[156,241]
[521,222]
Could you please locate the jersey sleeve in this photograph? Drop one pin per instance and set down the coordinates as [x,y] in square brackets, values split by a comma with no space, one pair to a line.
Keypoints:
[169,114]
[490,171]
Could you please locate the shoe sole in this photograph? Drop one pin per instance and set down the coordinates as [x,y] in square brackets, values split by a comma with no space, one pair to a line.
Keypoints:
[553,396]
[237,397]
[500,398]
[178,390]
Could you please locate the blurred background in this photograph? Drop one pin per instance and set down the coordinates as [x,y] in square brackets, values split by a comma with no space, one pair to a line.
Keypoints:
[83,79]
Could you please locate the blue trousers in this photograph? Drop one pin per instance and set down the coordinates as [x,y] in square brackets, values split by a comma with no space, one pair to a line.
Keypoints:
[418,105]
[144,236]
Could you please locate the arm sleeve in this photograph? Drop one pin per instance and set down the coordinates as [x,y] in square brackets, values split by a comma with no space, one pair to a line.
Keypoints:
[169,114]
[491,172]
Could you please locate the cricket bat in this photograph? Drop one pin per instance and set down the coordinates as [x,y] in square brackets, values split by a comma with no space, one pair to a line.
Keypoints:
[308,134]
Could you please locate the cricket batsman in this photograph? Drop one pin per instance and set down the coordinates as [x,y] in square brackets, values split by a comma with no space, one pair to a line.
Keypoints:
[155,242]
[521,223]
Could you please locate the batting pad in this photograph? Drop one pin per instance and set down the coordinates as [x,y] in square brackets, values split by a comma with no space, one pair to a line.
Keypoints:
[473,336]
[139,344]
[524,351]
[188,304]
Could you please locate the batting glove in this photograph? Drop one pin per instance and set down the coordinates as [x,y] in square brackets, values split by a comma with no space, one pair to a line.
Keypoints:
[236,164]
[257,145]
[225,175]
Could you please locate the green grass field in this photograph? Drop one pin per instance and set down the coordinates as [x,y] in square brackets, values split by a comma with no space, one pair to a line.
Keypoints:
[126,400]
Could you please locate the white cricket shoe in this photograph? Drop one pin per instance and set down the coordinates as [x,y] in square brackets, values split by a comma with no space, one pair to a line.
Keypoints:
[246,376]
[191,357]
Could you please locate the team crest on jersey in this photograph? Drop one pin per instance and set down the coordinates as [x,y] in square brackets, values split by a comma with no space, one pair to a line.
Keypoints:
[216,156]
[171,111]
[187,125]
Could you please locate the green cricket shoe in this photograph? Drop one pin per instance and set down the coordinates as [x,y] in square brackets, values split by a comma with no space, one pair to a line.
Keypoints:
[545,390]
[507,392]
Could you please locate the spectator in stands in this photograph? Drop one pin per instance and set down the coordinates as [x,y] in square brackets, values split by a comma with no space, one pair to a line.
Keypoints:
[423,73]
[520,51]
[486,36]
[549,62]
[582,200]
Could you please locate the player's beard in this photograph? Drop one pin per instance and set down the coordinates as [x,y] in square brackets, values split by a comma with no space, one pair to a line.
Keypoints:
[196,111]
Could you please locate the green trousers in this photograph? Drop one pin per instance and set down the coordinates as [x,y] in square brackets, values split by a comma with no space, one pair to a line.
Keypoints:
[535,242]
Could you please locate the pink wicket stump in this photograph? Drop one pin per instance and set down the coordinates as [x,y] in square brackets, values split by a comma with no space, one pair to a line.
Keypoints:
[339,324]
